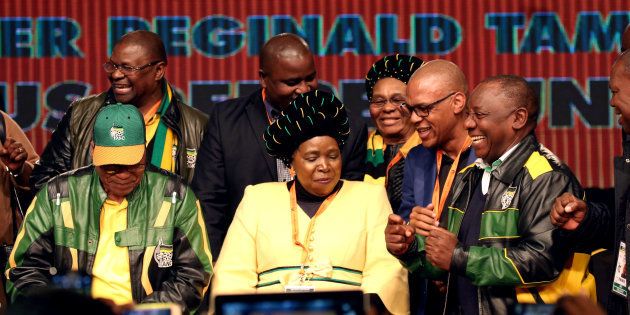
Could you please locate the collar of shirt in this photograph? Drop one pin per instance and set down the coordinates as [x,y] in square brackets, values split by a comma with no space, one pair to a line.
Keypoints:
[272,112]
[489,168]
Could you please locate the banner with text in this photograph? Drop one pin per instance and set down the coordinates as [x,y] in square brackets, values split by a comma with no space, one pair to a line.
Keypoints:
[51,53]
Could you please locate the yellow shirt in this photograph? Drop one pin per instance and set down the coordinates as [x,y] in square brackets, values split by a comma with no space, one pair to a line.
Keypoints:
[170,143]
[110,275]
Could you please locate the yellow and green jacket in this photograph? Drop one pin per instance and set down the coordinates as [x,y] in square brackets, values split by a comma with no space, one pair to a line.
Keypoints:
[169,255]
[519,251]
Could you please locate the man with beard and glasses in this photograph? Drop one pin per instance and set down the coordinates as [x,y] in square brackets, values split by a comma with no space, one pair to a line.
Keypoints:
[136,71]
[136,231]
[233,155]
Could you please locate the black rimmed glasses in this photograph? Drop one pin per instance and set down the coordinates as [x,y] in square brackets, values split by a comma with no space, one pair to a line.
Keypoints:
[381,102]
[425,110]
[110,67]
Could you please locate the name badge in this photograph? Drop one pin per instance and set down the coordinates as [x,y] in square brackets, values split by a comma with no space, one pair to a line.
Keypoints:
[298,288]
[619,282]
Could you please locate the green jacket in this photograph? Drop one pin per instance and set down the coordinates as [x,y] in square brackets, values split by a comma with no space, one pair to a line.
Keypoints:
[518,246]
[60,234]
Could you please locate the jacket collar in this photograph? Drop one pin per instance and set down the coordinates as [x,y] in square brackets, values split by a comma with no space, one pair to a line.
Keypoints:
[257,117]
[172,116]
[507,171]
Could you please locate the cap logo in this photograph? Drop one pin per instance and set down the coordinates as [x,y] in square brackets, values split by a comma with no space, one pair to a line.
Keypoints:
[117,133]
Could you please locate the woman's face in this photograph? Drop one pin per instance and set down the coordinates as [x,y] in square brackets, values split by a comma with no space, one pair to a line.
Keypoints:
[391,119]
[317,164]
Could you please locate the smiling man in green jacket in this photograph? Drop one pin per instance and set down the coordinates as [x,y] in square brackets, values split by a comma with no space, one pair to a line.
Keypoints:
[137,232]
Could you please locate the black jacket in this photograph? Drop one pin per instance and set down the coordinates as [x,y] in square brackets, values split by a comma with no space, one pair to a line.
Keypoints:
[518,246]
[232,155]
[603,227]
[69,147]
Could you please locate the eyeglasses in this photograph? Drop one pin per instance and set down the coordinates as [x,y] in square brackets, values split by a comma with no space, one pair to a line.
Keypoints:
[110,67]
[380,103]
[113,169]
[424,111]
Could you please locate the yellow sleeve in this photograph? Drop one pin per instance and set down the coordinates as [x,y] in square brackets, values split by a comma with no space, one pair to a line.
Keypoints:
[235,270]
[383,274]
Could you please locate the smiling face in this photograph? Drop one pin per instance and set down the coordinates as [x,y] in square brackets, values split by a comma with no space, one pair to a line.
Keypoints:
[140,87]
[392,121]
[620,89]
[317,164]
[289,77]
[493,123]
[436,129]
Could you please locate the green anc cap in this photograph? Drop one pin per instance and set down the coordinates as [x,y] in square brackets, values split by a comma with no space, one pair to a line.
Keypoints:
[119,135]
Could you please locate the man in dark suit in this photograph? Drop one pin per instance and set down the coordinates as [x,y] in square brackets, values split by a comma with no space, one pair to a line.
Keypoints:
[232,154]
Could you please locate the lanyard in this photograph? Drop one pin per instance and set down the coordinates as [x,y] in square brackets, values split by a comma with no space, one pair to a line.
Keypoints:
[437,199]
[395,160]
[294,220]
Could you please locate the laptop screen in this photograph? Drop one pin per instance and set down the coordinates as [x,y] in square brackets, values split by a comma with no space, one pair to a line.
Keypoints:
[313,303]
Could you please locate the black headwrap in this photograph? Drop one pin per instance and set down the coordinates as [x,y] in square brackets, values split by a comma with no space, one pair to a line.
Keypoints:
[312,114]
[396,66]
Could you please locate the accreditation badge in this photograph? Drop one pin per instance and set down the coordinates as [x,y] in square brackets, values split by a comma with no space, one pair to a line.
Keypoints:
[619,282]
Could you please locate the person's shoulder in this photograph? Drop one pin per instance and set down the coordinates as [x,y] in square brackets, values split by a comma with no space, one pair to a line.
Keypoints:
[89,101]
[174,182]
[237,104]
[420,154]
[191,113]
[269,187]
[60,183]
[543,162]
[363,188]
[82,110]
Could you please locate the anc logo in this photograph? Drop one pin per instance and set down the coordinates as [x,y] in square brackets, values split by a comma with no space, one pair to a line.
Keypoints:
[507,197]
[117,133]
[163,255]
[191,157]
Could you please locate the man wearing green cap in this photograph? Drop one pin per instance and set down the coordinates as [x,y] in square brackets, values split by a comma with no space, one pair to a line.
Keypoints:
[135,230]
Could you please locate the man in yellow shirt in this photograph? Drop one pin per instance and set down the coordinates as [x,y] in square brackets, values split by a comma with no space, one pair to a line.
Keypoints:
[137,231]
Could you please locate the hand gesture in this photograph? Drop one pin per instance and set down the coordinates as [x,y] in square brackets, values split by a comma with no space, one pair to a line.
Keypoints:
[440,246]
[398,235]
[423,219]
[568,212]
[13,155]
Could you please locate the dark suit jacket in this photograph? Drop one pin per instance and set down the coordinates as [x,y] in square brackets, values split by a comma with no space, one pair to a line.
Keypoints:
[232,155]
[419,178]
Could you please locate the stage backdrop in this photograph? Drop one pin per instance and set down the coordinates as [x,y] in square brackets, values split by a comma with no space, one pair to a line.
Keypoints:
[51,52]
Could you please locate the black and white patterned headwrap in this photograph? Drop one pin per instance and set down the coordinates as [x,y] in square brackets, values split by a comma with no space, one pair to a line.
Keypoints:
[312,114]
[396,66]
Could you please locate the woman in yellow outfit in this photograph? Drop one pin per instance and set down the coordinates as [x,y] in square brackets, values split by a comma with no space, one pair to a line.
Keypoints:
[316,232]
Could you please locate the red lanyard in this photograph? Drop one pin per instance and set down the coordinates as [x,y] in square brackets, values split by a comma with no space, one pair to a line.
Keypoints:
[438,199]
[294,220]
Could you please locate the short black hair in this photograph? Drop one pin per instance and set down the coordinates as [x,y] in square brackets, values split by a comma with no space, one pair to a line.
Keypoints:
[520,92]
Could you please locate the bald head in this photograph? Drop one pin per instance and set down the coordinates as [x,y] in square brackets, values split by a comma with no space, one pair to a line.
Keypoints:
[443,74]
[283,46]
[151,43]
